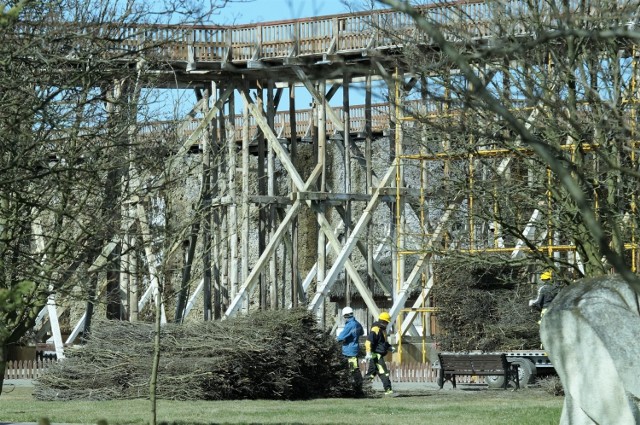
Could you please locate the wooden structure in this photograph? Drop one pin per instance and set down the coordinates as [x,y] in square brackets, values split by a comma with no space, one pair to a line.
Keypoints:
[357,197]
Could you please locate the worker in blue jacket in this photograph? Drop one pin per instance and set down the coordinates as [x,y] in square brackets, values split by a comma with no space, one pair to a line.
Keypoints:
[349,337]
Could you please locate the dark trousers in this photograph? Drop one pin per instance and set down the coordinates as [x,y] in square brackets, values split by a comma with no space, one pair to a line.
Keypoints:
[377,366]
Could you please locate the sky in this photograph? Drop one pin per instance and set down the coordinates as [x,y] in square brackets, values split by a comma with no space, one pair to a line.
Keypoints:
[255,11]
[238,12]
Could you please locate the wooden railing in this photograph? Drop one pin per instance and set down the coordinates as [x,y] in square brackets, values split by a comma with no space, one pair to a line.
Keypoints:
[311,36]
[412,372]
[26,369]
[464,19]
[380,121]
[282,127]
[408,372]
[469,19]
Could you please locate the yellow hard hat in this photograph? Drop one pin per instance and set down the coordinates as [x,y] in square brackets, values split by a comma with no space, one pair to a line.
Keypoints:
[385,316]
[546,275]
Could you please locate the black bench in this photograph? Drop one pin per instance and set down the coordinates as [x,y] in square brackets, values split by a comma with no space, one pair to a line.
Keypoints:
[476,365]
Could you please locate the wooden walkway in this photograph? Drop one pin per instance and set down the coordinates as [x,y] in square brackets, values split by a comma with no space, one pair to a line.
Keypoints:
[284,41]
[314,43]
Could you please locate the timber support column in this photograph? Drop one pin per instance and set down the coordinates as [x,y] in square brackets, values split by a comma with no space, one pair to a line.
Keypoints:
[262,191]
[271,192]
[207,195]
[322,153]
[232,221]
[347,172]
[400,198]
[368,135]
[295,280]
[245,195]
[393,211]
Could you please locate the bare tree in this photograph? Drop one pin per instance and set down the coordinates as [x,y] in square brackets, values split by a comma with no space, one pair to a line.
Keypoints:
[533,119]
[75,98]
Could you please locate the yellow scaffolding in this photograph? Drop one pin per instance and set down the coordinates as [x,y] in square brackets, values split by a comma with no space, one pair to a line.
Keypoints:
[551,248]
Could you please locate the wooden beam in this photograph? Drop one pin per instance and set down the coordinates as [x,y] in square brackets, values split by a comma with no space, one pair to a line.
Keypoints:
[325,225]
[375,271]
[407,322]
[333,116]
[154,286]
[283,155]
[348,247]
[204,123]
[249,284]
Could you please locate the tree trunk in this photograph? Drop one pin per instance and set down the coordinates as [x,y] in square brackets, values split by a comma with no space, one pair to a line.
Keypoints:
[153,381]
[3,362]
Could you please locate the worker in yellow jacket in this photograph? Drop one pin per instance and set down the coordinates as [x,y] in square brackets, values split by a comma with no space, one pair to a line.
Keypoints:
[546,293]
[377,347]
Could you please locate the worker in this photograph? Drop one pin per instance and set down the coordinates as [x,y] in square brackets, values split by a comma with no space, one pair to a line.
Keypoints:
[377,347]
[349,337]
[546,293]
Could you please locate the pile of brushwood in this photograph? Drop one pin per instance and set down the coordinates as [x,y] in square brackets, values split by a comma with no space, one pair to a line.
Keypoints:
[484,305]
[265,355]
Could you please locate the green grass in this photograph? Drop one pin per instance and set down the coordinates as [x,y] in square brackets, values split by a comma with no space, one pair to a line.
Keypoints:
[456,407]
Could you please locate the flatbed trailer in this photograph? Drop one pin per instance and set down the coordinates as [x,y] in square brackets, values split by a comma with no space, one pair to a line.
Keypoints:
[531,363]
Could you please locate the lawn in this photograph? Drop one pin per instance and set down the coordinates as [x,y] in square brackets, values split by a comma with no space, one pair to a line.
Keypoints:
[472,406]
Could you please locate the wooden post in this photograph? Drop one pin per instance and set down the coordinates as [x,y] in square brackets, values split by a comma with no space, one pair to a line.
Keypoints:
[271,191]
[125,264]
[218,182]
[322,147]
[133,274]
[245,193]
[262,190]
[399,213]
[294,222]
[393,230]
[347,170]
[368,152]
[207,146]
[232,222]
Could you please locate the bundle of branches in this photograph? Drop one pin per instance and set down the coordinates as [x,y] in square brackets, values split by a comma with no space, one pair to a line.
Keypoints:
[484,306]
[268,355]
